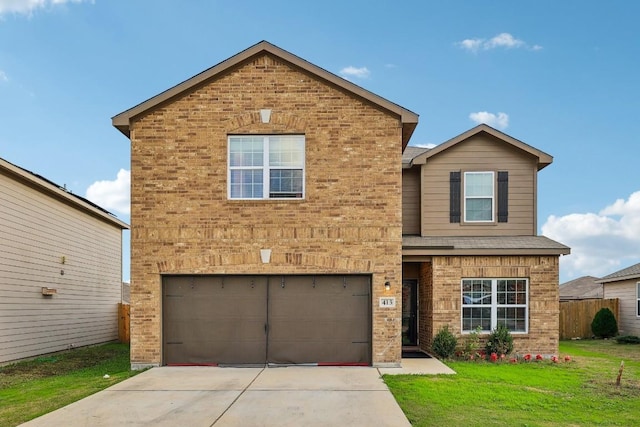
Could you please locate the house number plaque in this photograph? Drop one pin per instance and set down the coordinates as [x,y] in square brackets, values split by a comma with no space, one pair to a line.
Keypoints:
[388,302]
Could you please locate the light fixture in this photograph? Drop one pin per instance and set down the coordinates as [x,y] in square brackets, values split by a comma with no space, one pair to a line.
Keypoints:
[387,285]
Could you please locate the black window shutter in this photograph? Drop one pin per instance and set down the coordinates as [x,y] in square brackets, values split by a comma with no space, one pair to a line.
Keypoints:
[454,197]
[503,196]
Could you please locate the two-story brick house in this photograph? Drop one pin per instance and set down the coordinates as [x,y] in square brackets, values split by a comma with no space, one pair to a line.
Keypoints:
[267,222]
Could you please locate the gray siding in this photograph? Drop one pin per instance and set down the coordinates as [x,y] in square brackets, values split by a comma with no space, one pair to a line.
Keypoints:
[625,291]
[411,201]
[480,153]
[37,232]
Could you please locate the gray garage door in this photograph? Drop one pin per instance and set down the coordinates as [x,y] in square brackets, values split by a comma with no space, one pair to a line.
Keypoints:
[266,319]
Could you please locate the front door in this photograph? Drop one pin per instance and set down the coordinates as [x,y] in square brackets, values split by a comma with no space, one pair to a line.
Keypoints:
[410,312]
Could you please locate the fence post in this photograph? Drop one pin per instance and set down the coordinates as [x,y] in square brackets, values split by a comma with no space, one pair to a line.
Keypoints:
[123,323]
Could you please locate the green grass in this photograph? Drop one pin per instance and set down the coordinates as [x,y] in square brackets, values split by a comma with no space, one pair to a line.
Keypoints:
[578,393]
[35,387]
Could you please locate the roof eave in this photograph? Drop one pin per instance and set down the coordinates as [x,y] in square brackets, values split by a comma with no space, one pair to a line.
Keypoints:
[619,279]
[445,251]
[60,194]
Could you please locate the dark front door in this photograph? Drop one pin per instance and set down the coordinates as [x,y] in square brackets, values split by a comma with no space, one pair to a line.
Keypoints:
[409,312]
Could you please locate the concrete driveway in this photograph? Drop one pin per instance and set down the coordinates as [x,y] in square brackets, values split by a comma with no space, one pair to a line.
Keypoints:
[209,396]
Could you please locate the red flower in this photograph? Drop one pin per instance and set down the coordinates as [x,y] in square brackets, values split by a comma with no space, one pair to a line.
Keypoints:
[554,359]
[527,357]
[567,358]
[502,357]
[513,360]
[494,357]
[538,357]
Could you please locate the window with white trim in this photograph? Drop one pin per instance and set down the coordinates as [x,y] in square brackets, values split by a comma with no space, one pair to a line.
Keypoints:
[638,299]
[479,196]
[488,302]
[266,167]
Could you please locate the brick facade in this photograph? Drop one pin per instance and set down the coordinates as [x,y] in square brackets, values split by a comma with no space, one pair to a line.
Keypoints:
[441,305]
[182,222]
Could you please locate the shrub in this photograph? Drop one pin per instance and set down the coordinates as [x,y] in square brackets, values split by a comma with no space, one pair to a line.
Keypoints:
[604,324]
[471,344]
[500,341]
[628,339]
[444,343]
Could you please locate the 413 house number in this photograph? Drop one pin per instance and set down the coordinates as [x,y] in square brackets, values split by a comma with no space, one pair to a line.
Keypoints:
[388,302]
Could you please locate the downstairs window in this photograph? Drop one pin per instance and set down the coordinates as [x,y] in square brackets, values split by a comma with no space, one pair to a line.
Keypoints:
[488,302]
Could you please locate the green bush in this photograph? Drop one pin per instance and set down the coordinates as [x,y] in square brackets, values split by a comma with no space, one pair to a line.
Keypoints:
[500,341]
[444,343]
[604,324]
[628,339]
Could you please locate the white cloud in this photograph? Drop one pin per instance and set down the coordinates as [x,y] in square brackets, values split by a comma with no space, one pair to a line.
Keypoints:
[601,243]
[499,121]
[427,145]
[112,195]
[3,76]
[26,7]
[360,73]
[502,40]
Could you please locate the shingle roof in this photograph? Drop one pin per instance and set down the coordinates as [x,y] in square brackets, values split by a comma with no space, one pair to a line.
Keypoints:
[410,152]
[585,287]
[632,272]
[487,245]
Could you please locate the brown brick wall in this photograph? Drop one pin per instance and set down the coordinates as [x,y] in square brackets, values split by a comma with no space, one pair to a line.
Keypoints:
[542,272]
[425,315]
[182,222]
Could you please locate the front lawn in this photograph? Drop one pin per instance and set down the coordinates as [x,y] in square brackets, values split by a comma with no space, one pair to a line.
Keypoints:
[33,388]
[576,393]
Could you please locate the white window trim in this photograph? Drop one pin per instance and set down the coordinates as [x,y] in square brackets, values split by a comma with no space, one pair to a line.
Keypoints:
[638,299]
[266,169]
[495,305]
[493,198]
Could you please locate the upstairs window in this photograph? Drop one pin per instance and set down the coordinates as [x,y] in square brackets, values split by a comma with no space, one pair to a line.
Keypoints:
[266,167]
[478,196]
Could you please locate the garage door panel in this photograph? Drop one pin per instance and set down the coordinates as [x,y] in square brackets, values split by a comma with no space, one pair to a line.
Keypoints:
[214,320]
[319,319]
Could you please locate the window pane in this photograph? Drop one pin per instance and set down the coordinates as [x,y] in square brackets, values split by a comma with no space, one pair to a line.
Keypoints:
[512,317]
[246,151]
[246,184]
[478,184]
[476,292]
[474,317]
[285,183]
[479,210]
[286,151]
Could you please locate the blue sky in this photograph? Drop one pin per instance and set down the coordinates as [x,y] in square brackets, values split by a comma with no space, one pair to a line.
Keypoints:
[559,75]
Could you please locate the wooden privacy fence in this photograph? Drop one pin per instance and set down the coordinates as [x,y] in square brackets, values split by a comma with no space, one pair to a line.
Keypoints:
[123,323]
[576,316]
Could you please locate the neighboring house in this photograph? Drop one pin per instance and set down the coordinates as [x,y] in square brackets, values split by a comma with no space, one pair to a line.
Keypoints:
[625,285]
[60,267]
[471,253]
[269,200]
[585,287]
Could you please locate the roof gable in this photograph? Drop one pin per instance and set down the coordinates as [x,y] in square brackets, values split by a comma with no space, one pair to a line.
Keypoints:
[408,118]
[543,159]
